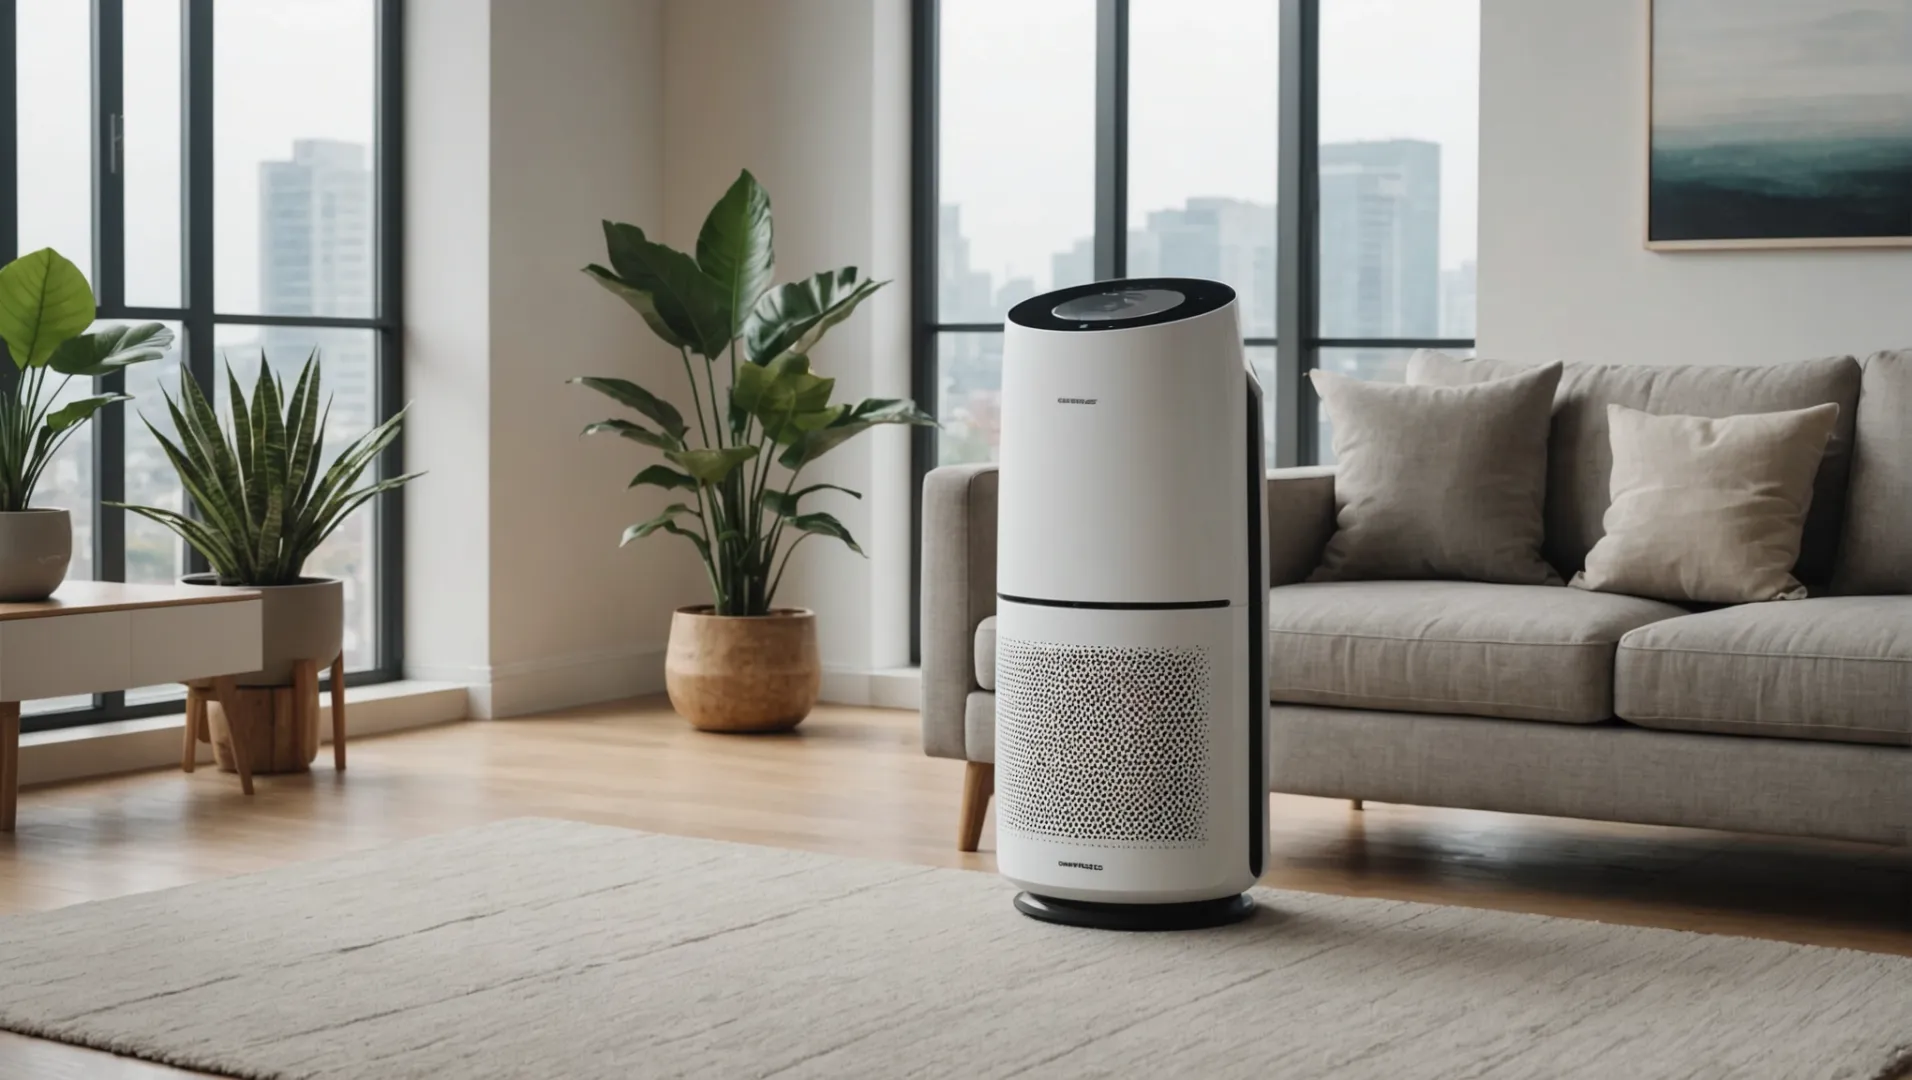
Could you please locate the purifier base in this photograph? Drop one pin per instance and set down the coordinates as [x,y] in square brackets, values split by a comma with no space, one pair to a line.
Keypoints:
[1198,915]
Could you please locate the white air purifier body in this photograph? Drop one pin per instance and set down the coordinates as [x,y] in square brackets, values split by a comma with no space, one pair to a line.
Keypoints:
[1131,702]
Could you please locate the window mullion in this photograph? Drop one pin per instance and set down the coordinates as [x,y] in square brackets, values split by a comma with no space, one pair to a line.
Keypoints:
[196,215]
[1111,139]
[109,282]
[1297,268]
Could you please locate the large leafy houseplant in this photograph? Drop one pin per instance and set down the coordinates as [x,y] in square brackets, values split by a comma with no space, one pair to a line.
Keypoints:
[760,415]
[46,306]
[264,495]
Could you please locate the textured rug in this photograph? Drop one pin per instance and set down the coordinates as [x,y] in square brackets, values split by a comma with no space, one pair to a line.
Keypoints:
[554,949]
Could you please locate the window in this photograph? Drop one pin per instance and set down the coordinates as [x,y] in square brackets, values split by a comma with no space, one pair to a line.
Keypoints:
[1078,140]
[228,169]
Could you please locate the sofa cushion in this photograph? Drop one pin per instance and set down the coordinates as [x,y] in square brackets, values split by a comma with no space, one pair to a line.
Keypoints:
[986,653]
[1835,668]
[1524,652]
[1876,550]
[1580,459]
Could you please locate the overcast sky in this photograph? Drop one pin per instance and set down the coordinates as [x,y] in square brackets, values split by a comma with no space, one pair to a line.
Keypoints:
[283,69]
[1018,109]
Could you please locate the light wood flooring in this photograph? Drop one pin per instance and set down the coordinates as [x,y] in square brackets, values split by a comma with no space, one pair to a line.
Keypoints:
[854,781]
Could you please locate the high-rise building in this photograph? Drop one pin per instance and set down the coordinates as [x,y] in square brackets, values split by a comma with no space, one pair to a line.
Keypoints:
[1221,239]
[316,241]
[1457,301]
[1074,266]
[1380,239]
[963,294]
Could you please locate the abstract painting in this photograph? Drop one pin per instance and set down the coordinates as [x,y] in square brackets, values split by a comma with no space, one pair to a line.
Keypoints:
[1780,123]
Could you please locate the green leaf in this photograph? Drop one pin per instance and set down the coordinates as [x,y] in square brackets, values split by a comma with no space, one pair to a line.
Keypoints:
[662,520]
[665,477]
[822,524]
[634,432]
[785,505]
[795,316]
[690,304]
[44,302]
[78,412]
[110,348]
[779,392]
[734,248]
[712,466]
[662,412]
[812,445]
[642,302]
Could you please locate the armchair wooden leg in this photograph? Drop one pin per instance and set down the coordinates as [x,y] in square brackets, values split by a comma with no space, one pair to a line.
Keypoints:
[9,763]
[338,713]
[979,783]
[1357,804]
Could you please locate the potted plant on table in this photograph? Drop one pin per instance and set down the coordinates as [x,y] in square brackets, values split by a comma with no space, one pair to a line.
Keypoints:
[46,306]
[264,498]
[761,418]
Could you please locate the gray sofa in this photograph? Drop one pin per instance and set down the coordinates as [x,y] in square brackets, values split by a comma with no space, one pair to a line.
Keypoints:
[1791,717]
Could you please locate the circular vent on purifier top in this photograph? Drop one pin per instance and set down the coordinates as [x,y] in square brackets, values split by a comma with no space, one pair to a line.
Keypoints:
[1102,744]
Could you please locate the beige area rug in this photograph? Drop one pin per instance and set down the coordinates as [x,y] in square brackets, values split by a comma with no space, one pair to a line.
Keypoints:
[554,949]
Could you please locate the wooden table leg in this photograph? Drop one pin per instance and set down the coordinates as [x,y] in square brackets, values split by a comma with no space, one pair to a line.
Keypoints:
[189,746]
[9,763]
[338,713]
[226,689]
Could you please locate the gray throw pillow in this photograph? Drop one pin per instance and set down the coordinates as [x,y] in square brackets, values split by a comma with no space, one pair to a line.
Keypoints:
[1708,510]
[1439,481]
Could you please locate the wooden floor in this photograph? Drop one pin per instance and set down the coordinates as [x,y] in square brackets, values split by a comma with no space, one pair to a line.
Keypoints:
[854,781]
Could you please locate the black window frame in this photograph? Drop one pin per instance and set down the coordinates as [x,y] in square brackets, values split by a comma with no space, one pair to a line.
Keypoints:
[1297,342]
[196,313]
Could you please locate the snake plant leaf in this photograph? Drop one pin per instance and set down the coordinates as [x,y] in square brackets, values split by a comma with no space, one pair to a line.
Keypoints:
[634,432]
[656,409]
[688,301]
[663,519]
[793,317]
[735,250]
[784,504]
[44,302]
[111,348]
[821,524]
[712,466]
[665,477]
[75,412]
[867,414]
[262,504]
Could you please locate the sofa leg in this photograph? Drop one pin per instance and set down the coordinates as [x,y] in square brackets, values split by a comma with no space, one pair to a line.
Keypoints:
[1357,804]
[979,783]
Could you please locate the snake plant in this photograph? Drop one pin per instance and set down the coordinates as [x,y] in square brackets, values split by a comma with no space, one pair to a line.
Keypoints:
[265,499]
[756,429]
[45,307]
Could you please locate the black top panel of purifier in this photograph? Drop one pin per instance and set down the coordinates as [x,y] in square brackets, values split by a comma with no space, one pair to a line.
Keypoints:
[1121,305]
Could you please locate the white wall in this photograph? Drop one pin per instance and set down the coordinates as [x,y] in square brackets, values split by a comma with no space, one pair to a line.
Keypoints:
[526,129]
[812,97]
[1563,273]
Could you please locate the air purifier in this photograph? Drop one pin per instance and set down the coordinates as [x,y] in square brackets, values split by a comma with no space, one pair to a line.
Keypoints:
[1131,709]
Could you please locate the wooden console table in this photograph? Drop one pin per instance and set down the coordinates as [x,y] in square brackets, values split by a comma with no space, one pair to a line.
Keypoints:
[93,637]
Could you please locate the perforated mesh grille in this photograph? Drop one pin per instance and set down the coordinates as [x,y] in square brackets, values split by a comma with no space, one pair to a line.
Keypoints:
[1097,744]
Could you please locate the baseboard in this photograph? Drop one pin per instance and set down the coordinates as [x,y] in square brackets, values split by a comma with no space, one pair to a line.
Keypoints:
[884,688]
[533,686]
[49,757]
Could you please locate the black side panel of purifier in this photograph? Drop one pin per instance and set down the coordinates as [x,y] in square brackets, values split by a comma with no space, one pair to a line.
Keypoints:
[1257,631]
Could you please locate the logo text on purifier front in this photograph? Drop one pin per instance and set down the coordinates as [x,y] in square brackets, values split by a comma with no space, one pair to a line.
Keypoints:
[1075,401]
[1079,865]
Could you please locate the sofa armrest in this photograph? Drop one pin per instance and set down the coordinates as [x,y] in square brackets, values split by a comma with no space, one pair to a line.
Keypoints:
[1300,521]
[959,591]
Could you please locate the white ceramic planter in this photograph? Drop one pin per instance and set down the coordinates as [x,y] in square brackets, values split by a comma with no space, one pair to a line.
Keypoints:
[297,622]
[35,547]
